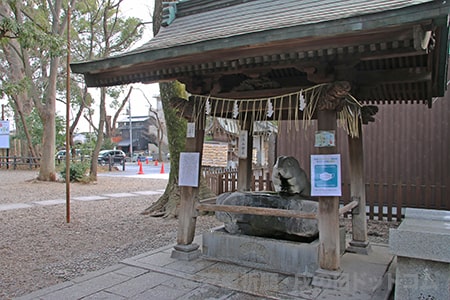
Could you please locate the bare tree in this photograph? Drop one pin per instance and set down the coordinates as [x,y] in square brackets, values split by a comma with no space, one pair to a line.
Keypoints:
[157,139]
[103,32]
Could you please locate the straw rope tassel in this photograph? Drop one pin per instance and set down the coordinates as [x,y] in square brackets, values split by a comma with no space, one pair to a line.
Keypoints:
[202,114]
[274,107]
[254,115]
[266,113]
[297,105]
[280,109]
[245,114]
[196,110]
[215,106]
[348,117]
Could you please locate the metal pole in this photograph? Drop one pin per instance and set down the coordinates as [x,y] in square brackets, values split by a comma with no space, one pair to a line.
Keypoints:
[68,120]
[131,130]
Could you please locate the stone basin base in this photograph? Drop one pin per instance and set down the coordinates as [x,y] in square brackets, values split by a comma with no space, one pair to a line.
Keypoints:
[280,256]
[421,244]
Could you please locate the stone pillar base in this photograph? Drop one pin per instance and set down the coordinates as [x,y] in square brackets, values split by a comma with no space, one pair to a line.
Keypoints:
[359,247]
[186,252]
[328,279]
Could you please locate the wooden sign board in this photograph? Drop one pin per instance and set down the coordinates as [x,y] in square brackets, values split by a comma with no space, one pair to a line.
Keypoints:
[243,144]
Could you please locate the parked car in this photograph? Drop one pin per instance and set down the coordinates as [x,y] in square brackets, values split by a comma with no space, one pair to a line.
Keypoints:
[117,157]
[61,154]
[138,157]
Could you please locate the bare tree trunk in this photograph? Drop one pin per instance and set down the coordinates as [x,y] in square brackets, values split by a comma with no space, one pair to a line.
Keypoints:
[98,145]
[25,128]
[20,100]
[47,111]
[159,131]
[113,122]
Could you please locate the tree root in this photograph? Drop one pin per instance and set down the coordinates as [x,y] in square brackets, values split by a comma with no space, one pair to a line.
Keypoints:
[156,214]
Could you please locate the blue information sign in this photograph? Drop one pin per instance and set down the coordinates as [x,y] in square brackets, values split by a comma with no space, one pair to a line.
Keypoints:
[326,175]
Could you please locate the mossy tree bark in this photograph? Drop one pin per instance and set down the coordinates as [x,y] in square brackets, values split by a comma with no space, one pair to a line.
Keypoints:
[176,134]
[167,205]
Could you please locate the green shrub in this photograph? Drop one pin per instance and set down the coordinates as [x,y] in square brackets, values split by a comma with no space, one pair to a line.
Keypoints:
[77,173]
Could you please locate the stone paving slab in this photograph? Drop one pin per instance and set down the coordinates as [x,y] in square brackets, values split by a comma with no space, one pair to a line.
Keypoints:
[104,296]
[12,206]
[209,292]
[120,195]
[87,288]
[145,193]
[89,198]
[131,271]
[50,202]
[160,259]
[155,275]
[138,285]
[95,274]
[40,294]
[195,267]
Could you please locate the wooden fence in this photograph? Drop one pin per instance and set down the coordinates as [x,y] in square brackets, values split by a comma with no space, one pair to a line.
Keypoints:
[385,201]
[225,180]
[14,162]
[28,162]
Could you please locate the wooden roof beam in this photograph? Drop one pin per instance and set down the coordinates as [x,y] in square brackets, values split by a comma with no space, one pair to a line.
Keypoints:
[392,76]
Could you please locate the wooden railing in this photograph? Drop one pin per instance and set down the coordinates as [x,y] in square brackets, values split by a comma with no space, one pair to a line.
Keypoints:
[384,201]
[14,162]
[29,162]
[225,180]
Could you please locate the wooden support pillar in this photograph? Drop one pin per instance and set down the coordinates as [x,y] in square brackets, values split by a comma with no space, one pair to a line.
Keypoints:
[245,171]
[185,249]
[329,272]
[329,252]
[359,243]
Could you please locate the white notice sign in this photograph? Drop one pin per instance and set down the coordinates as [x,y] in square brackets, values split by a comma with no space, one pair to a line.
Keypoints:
[189,169]
[190,133]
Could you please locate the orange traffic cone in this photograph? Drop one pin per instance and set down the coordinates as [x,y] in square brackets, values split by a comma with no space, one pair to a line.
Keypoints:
[156,162]
[162,168]
[146,160]
[140,168]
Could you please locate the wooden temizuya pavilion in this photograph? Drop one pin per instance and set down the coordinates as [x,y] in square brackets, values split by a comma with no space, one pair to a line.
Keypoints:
[258,60]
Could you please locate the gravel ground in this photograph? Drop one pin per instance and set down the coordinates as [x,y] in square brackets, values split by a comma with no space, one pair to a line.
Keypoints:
[38,248]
